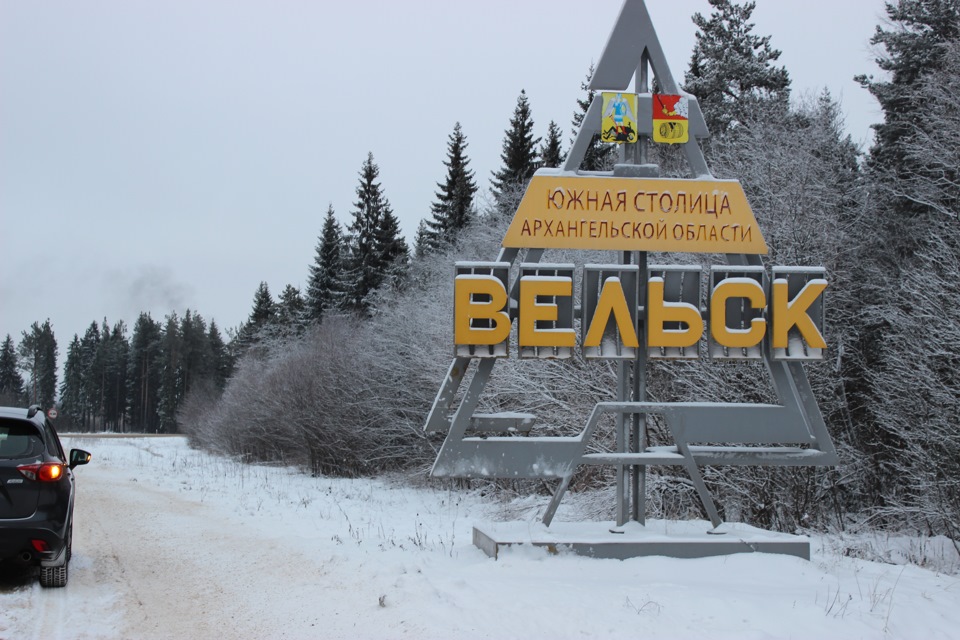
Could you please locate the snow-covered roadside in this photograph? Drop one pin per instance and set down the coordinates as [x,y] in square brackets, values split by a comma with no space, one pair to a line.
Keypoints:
[172,542]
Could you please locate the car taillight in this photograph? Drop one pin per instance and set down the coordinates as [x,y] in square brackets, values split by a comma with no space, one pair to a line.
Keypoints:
[46,472]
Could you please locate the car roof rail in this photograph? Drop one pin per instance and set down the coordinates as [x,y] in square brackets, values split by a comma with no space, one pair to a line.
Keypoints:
[32,411]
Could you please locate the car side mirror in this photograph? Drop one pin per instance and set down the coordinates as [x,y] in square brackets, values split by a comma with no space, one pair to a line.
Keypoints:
[78,457]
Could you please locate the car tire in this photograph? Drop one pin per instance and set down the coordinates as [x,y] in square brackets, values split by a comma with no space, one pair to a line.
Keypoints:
[53,576]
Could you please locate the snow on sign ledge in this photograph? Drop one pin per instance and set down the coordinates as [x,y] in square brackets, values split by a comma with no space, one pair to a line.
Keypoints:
[566,211]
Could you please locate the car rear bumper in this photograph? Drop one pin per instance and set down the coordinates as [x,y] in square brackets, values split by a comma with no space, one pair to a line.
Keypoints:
[17,541]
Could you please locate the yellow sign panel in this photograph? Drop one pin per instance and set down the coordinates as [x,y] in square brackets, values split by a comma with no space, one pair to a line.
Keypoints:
[619,118]
[635,214]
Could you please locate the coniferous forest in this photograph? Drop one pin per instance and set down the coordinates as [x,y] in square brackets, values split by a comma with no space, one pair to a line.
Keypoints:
[338,378]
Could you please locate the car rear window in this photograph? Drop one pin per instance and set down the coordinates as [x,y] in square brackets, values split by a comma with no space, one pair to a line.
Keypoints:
[19,440]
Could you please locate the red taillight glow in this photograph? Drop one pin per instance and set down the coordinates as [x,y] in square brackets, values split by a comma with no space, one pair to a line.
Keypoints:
[40,545]
[46,472]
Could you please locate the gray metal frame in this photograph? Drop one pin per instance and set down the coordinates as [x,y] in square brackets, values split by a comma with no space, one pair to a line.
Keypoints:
[790,433]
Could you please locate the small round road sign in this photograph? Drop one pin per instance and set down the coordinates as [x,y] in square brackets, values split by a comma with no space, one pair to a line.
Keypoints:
[52,414]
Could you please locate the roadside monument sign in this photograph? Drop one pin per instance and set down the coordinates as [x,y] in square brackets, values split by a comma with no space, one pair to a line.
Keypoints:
[631,311]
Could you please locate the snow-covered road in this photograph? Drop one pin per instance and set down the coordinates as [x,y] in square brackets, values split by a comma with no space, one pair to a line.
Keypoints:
[173,543]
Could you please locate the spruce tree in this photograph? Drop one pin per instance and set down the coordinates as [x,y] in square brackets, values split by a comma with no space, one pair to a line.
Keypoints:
[423,242]
[392,248]
[600,155]
[902,379]
[551,154]
[221,364]
[291,312]
[913,49]
[453,208]
[376,248]
[264,312]
[325,286]
[731,70]
[11,382]
[519,156]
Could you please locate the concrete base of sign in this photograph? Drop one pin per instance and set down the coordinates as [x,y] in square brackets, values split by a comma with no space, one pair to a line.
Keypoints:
[687,539]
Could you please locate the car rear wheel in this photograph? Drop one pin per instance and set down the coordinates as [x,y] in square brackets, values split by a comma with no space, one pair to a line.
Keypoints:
[53,576]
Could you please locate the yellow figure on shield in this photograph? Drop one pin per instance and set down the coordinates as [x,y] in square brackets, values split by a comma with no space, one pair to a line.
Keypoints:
[619,117]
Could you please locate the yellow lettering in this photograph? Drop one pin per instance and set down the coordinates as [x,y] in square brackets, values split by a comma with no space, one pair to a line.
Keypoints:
[469,305]
[793,313]
[748,289]
[660,312]
[532,311]
[612,300]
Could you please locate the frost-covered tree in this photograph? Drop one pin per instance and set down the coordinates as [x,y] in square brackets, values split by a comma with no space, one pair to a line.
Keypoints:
[902,374]
[912,47]
[291,312]
[325,286]
[732,71]
[261,324]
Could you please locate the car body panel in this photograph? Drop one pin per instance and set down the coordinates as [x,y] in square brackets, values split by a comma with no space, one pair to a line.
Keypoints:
[35,516]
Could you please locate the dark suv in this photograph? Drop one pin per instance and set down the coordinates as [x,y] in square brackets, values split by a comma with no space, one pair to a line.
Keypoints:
[36,493]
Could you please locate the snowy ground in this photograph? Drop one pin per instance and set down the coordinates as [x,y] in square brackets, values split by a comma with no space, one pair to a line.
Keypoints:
[173,543]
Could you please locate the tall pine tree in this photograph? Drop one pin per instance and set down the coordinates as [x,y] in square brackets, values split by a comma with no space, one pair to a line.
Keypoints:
[291,312]
[261,325]
[453,208]
[171,374]
[221,364]
[519,156]
[913,49]
[91,366]
[551,154]
[144,368]
[11,382]
[114,351]
[71,389]
[38,355]
[325,286]
[377,251]
[901,377]
[732,70]
[196,357]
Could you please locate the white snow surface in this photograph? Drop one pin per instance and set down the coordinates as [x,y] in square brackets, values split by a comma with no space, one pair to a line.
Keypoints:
[170,542]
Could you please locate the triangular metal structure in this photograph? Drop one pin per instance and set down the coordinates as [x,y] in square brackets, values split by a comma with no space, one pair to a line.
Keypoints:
[789,433]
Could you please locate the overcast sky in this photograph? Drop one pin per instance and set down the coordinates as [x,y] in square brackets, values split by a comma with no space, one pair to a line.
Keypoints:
[171,154]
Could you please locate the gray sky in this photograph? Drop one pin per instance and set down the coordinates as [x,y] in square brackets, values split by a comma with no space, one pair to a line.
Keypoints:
[165,155]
